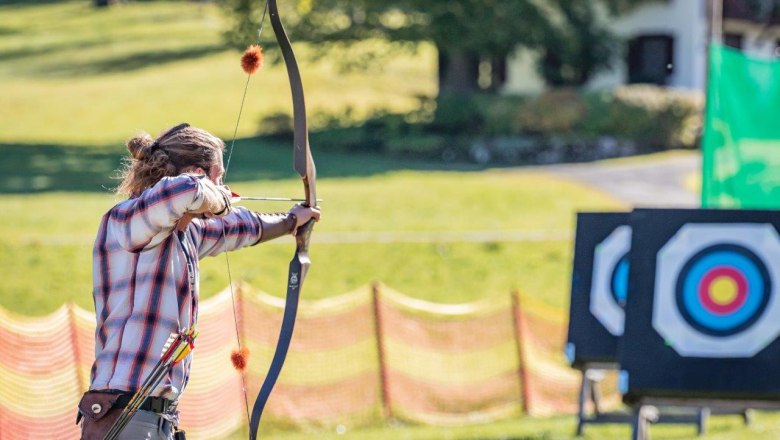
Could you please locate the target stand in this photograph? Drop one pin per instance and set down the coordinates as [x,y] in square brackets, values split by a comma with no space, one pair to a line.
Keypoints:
[599,289]
[701,327]
[645,412]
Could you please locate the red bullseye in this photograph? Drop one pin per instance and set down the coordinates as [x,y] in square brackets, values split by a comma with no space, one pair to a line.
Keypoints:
[723,290]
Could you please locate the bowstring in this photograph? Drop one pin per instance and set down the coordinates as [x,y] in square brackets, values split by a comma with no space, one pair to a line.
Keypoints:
[224,232]
[243,97]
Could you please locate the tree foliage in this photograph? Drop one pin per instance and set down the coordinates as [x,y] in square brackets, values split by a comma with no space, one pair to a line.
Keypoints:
[576,46]
[571,36]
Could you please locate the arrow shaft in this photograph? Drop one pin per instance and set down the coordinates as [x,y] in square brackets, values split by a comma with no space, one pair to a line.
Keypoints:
[271,199]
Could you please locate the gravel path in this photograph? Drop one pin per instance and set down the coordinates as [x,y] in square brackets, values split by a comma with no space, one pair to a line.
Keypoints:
[652,182]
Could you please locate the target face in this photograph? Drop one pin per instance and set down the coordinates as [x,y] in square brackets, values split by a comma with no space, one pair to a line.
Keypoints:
[723,290]
[610,280]
[716,292]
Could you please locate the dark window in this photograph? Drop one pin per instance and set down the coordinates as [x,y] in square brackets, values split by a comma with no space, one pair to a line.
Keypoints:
[733,40]
[650,59]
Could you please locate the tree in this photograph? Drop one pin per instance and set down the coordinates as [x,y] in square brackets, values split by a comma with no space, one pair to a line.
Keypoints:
[570,35]
[576,46]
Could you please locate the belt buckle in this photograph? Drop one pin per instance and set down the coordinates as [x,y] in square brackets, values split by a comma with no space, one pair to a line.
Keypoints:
[157,405]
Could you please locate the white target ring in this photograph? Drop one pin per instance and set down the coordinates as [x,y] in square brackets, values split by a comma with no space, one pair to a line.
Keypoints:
[606,257]
[735,326]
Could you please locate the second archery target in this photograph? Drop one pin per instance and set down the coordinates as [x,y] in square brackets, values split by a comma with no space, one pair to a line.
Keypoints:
[610,279]
[702,316]
[599,287]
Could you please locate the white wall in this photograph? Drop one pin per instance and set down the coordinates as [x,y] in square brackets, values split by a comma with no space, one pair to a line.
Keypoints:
[685,20]
[521,74]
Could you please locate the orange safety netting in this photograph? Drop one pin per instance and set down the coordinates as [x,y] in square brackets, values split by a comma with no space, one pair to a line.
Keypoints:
[355,359]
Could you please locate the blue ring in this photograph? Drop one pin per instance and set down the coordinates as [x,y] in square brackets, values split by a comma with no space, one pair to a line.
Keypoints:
[759,287]
[619,281]
[755,290]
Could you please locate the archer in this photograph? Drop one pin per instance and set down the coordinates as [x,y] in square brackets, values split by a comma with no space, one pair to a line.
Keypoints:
[145,272]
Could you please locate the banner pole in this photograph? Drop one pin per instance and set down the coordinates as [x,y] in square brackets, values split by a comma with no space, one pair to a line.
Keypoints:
[715,36]
[716,24]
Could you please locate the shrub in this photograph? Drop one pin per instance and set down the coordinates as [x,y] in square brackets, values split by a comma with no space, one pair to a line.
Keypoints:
[558,125]
[276,124]
[420,145]
[457,113]
[345,140]
[500,115]
[556,111]
[656,118]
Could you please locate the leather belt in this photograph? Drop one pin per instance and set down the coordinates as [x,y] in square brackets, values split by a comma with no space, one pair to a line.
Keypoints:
[159,405]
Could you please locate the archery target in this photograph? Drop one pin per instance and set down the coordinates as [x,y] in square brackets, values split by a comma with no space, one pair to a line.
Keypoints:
[610,279]
[716,293]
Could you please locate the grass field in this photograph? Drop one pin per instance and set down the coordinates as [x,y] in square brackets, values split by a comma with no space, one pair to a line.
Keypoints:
[46,250]
[764,427]
[76,81]
[72,74]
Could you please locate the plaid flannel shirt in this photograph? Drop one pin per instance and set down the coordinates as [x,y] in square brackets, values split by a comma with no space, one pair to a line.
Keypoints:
[145,278]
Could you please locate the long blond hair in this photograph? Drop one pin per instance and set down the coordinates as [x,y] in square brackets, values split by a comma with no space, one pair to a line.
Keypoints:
[173,151]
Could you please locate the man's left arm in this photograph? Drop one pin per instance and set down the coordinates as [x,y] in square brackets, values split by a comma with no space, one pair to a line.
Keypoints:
[240,228]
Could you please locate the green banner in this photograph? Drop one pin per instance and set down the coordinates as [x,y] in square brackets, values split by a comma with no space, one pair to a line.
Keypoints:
[741,145]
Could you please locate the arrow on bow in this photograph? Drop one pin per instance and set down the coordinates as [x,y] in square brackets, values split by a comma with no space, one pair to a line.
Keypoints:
[237,198]
[303,163]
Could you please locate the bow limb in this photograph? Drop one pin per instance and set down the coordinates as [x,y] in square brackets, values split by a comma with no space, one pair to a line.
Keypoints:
[299,265]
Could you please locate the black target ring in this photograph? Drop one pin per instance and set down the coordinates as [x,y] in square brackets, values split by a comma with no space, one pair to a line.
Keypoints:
[729,256]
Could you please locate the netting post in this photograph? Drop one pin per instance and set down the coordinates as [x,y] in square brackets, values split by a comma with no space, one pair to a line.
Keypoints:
[519,324]
[387,409]
[74,342]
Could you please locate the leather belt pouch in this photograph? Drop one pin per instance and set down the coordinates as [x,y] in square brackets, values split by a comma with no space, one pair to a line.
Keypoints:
[98,410]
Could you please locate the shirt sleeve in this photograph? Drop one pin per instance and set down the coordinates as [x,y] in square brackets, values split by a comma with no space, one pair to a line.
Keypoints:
[241,228]
[144,221]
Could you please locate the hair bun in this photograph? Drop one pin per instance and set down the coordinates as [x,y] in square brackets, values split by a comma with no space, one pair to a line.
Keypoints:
[139,145]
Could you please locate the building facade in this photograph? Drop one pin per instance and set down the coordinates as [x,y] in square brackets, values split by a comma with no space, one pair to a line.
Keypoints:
[665,43]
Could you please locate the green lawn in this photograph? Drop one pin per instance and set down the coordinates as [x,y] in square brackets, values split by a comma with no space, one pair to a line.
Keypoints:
[765,426]
[73,74]
[428,216]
